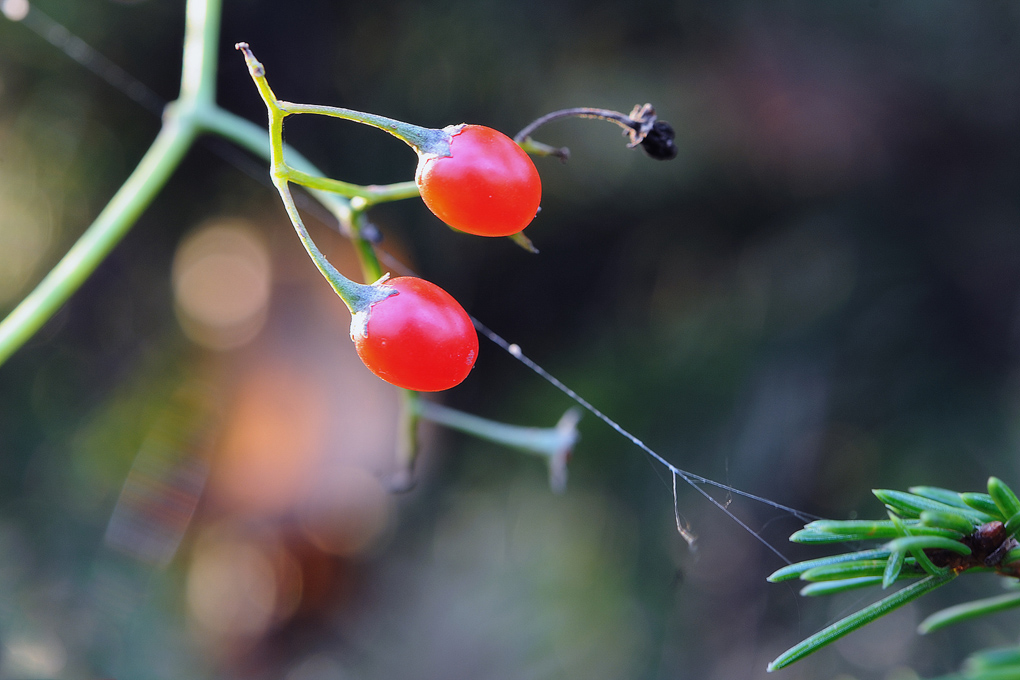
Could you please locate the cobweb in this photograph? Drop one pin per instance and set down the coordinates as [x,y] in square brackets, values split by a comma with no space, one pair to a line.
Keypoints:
[695,481]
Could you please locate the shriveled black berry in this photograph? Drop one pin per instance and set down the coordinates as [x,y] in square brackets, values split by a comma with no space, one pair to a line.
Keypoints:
[658,143]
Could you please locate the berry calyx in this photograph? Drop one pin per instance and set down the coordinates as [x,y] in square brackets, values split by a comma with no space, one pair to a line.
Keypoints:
[486,185]
[418,338]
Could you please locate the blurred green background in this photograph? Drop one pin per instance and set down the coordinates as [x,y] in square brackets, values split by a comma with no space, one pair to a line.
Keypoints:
[818,297]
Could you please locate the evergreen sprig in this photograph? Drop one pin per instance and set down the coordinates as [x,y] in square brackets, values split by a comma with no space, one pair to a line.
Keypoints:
[931,536]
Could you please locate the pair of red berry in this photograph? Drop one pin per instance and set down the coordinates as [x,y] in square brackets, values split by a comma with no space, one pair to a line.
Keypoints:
[419,337]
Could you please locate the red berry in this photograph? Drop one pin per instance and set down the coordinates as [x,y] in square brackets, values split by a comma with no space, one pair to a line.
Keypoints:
[420,339]
[487,186]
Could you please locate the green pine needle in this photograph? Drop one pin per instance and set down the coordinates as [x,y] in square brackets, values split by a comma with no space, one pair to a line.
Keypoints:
[1012,524]
[928,528]
[928,542]
[832,587]
[911,506]
[953,521]
[1004,498]
[843,531]
[892,568]
[968,610]
[797,570]
[1002,657]
[941,495]
[834,572]
[858,619]
[982,502]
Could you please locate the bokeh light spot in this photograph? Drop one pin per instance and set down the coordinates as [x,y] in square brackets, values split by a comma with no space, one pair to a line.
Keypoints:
[232,588]
[273,440]
[356,517]
[15,10]
[33,657]
[26,223]
[221,281]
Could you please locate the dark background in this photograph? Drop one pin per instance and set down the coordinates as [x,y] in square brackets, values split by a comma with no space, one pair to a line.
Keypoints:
[818,297]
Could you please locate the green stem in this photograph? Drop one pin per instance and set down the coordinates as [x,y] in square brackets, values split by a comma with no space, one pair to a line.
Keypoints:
[201,35]
[349,213]
[623,120]
[407,443]
[368,194]
[180,128]
[356,296]
[255,139]
[422,139]
[545,441]
[370,266]
[533,148]
[553,443]
[98,240]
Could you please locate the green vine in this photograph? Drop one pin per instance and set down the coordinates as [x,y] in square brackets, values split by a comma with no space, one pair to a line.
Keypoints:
[194,113]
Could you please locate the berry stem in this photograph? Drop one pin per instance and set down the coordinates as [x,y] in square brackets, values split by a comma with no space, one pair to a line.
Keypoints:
[370,266]
[641,126]
[534,148]
[554,443]
[623,120]
[544,441]
[422,139]
[356,296]
[368,194]
[402,479]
